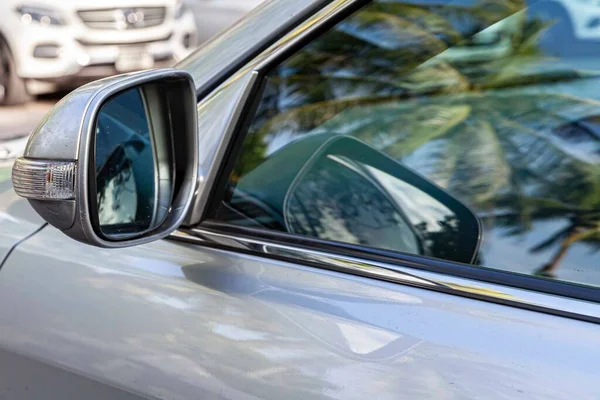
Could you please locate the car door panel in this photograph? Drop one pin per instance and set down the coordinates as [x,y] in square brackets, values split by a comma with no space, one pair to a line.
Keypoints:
[51,381]
[178,320]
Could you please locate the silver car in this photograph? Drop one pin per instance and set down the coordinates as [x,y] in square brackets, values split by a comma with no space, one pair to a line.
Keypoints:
[314,205]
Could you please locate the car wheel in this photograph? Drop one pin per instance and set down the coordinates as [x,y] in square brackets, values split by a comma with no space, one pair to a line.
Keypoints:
[13,90]
[558,38]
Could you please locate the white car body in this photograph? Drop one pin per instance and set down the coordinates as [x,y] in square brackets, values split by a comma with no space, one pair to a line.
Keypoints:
[582,13]
[90,50]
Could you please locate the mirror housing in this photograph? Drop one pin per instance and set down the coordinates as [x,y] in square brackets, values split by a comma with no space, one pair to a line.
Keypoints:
[57,172]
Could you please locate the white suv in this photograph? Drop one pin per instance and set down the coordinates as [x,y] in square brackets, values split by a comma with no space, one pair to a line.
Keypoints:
[47,45]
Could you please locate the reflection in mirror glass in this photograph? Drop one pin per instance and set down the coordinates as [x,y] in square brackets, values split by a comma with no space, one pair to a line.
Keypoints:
[126,189]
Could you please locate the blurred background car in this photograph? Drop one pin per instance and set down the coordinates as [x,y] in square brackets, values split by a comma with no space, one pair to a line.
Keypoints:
[47,46]
[212,16]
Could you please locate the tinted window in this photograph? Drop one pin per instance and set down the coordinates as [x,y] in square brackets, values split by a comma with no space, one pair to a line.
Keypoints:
[495,103]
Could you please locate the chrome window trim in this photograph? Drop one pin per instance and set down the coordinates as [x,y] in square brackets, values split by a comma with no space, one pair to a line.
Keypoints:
[398,273]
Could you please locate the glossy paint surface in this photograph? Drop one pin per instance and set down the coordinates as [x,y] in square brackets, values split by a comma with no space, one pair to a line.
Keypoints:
[56,135]
[179,321]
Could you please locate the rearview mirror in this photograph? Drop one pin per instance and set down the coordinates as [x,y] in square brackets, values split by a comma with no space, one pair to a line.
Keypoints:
[338,188]
[114,163]
[350,190]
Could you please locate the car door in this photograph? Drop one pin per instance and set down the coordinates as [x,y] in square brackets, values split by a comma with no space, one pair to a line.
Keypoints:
[184,320]
[258,306]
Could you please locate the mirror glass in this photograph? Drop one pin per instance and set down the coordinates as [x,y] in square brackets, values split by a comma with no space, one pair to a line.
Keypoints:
[127,167]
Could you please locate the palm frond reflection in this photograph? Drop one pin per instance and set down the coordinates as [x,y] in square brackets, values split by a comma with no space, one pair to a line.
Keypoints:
[472,95]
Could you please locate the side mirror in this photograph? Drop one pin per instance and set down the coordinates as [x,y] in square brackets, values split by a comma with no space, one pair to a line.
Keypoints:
[114,163]
[339,188]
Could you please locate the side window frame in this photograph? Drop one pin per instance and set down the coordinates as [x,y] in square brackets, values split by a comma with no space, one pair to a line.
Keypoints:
[248,240]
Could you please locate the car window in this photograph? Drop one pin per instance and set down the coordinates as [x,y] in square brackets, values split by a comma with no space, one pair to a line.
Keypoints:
[485,113]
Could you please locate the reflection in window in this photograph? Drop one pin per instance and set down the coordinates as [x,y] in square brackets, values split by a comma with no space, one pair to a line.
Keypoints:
[498,102]
[337,202]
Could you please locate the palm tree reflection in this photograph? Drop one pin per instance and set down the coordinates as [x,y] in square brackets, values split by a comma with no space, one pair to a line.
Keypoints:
[512,136]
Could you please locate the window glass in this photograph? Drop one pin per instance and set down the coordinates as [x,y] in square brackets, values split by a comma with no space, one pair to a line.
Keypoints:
[485,112]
